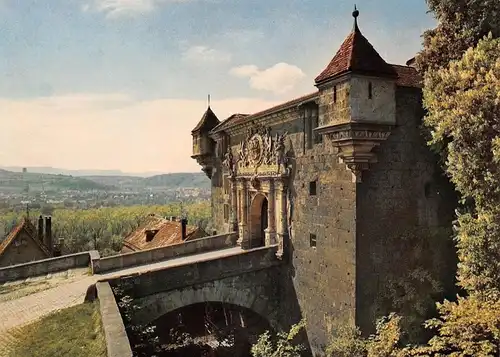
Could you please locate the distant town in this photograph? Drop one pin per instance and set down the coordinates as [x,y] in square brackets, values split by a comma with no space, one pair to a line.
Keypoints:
[26,188]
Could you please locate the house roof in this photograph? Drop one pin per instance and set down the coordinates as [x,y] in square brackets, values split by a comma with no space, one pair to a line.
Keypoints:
[408,76]
[30,230]
[208,121]
[356,54]
[169,232]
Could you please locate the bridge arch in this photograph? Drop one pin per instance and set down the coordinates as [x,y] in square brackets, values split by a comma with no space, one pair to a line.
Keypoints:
[155,306]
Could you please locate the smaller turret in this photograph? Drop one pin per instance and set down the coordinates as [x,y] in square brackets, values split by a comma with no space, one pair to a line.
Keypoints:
[203,145]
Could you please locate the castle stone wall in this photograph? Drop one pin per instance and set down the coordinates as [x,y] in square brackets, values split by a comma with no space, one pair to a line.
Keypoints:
[404,209]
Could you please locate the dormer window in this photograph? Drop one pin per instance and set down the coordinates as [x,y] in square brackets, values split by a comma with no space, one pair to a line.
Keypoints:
[370,90]
[150,234]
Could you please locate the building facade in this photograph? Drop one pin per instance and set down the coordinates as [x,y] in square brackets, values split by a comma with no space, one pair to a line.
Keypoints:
[26,243]
[342,180]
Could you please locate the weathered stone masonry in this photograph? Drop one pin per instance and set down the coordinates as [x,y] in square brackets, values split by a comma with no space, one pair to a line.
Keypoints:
[355,177]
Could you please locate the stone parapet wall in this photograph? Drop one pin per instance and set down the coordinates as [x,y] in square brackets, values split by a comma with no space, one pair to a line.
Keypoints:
[201,271]
[195,246]
[97,264]
[117,342]
[47,266]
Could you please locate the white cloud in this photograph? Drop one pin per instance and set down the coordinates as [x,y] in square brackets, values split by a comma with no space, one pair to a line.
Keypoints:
[279,79]
[121,8]
[203,54]
[108,131]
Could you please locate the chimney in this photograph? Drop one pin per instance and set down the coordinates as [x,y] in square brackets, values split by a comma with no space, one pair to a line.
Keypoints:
[184,223]
[40,228]
[173,218]
[48,234]
[58,248]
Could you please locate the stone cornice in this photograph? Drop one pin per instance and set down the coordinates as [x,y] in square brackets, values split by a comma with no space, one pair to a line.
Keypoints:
[355,142]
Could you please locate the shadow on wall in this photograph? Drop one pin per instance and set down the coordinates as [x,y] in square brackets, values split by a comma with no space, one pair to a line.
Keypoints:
[289,294]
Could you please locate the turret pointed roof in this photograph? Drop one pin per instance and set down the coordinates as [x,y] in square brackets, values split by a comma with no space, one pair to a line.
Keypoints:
[356,54]
[207,122]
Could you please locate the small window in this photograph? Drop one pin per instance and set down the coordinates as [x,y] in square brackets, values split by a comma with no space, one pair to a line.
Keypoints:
[312,188]
[335,94]
[370,90]
[312,240]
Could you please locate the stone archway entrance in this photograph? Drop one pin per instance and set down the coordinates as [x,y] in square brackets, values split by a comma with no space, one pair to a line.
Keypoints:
[259,214]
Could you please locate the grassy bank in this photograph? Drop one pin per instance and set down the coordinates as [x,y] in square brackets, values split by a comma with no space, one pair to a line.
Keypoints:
[72,332]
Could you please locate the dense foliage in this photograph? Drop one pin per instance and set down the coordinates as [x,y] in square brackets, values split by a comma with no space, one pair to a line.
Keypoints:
[104,228]
[284,344]
[461,24]
[463,102]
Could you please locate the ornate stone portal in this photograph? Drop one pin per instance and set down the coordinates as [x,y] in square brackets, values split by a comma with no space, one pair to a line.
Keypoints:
[259,183]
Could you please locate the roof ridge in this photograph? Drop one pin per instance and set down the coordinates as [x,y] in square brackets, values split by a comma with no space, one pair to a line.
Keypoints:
[246,117]
[15,233]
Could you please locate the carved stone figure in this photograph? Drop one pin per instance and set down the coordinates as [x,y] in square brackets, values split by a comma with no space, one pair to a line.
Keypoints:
[268,147]
[228,162]
[243,156]
[279,150]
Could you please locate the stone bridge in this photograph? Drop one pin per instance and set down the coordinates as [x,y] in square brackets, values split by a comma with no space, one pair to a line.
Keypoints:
[249,279]
[212,269]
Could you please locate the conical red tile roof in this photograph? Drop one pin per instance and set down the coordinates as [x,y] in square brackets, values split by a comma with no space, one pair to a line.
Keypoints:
[356,54]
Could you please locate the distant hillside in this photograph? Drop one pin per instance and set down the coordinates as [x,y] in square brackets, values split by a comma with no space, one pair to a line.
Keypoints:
[165,181]
[37,182]
[17,182]
[184,180]
[56,171]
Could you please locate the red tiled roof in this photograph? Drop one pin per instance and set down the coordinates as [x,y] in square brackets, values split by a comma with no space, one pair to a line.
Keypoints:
[408,76]
[28,227]
[356,54]
[236,119]
[169,232]
[208,121]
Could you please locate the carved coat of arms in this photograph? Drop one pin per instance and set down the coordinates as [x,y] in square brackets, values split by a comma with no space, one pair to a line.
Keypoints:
[261,148]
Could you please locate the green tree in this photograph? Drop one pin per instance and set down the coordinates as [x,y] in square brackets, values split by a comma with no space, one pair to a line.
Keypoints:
[461,24]
[282,345]
[463,103]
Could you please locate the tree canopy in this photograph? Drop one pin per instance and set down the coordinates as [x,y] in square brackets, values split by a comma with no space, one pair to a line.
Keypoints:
[461,24]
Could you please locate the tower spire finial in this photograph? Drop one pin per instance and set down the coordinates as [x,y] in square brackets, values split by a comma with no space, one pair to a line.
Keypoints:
[355,14]
[209,100]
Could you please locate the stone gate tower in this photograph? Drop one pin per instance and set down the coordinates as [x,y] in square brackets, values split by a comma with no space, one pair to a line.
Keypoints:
[342,180]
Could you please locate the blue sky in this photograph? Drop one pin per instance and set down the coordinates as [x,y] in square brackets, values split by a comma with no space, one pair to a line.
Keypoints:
[117,84]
